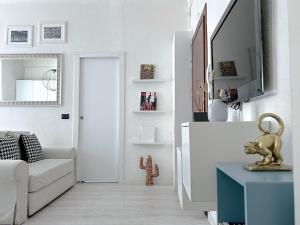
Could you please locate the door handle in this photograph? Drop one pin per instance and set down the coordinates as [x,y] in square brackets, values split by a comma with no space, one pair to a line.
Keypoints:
[81,117]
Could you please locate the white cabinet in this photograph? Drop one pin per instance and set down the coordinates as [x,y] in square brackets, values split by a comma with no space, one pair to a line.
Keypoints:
[203,145]
[34,90]
[182,86]
[24,90]
[179,177]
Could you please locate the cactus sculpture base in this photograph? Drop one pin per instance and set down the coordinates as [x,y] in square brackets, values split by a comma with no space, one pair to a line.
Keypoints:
[149,170]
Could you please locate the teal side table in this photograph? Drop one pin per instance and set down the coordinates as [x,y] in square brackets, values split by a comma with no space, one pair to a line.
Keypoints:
[254,198]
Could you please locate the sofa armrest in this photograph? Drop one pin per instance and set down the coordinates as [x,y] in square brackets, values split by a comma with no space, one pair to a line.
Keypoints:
[59,153]
[15,174]
[12,171]
[62,153]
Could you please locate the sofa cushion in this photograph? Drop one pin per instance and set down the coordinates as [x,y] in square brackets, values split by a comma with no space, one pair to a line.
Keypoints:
[8,148]
[2,134]
[33,148]
[44,172]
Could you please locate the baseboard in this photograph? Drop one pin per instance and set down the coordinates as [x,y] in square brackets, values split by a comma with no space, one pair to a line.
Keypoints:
[139,182]
[186,204]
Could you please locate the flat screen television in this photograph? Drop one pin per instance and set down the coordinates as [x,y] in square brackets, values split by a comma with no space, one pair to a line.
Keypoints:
[237,52]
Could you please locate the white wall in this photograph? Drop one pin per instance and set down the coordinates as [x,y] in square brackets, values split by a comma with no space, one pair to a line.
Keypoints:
[34,69]
[143,29]
[293,7]
[278,63]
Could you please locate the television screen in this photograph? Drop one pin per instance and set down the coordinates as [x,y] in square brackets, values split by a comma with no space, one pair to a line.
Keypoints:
[236,51]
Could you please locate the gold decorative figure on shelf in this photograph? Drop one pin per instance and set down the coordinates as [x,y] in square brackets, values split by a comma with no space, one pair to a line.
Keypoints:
[149,170]
[268,145]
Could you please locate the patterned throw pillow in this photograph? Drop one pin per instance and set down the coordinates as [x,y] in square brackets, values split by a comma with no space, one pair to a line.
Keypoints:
[32,147]
[8,148]
[16,135]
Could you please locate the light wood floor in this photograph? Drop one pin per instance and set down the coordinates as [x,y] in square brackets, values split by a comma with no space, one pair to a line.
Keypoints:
[112,204]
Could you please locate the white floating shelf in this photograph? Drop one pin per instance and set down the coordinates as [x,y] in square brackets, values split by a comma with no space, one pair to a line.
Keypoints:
[148,143]
[148,112]
[148,81]
[230,78]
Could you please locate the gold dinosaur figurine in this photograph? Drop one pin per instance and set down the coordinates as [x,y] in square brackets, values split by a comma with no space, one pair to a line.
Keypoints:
[149,170]
[268,145]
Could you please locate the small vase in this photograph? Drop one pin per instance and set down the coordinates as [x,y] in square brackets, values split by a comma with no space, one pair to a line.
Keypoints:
[200,117]
[217,111]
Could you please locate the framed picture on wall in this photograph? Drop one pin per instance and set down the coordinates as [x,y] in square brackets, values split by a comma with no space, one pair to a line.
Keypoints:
[147,71]
[19,36]
[52,32]
[148,101]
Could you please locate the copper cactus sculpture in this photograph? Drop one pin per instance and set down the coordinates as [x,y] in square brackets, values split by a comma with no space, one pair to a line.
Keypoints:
[149,170]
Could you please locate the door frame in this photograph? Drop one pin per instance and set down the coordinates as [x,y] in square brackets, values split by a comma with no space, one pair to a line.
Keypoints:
[121,103]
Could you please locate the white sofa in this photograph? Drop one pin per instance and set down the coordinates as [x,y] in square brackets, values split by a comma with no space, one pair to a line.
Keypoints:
[36,184]
[8,192]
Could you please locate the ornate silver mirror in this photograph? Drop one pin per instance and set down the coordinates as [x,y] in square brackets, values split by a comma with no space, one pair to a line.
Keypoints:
[30,79]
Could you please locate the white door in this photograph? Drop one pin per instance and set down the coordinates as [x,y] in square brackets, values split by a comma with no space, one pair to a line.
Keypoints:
[98,126]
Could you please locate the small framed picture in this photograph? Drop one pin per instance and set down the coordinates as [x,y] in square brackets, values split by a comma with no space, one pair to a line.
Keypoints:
[148,101]
[147,71]
[228,68]
[19,36]
[53,32]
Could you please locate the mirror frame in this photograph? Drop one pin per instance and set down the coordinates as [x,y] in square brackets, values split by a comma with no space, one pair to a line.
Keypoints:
[57,56]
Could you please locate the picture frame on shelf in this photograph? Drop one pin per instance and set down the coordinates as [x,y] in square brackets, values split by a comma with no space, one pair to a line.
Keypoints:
[53,32]
[19,35]
[148,101]
[147,134]
[147,71]
[228,69]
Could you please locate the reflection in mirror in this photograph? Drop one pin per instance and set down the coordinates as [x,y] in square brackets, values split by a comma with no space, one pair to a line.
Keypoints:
[34,79]
[237,54]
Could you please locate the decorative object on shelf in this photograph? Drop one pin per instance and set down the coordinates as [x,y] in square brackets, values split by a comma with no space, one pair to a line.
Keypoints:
[268,145]
[210,81]
[147,71]
[196,94]
[21,36]
[147,134]
[49,79]
[217,110]
[149,170]
[53,32]
[228,68]
[199,115]
[148,101]
[231,95]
